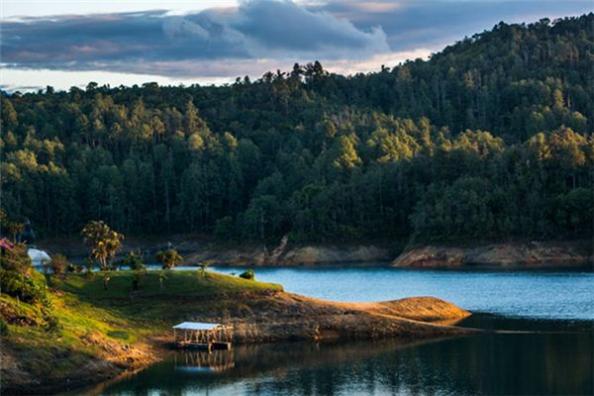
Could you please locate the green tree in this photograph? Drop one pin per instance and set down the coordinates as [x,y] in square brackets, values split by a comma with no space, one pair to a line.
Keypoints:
[103,242]
[169,258]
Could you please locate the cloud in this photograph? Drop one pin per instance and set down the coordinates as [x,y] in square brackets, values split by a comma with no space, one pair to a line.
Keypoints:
[285,28]
[348,36]
[169,44]
[348,67]
[411,24]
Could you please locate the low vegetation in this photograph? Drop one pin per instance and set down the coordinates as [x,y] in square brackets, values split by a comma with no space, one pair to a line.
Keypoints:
[69,329]
[81,331]
[169,258]
[248,274]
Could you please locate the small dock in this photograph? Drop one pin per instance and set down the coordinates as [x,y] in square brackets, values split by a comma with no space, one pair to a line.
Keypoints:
[203,336]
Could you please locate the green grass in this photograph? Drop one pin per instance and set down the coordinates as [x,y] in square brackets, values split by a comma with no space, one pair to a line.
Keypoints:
[184,293]
[57,352]
[84,310]
[182,284]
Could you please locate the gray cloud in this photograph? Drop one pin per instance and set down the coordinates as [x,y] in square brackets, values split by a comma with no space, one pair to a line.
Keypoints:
[410,24]
[132,41]
[258,34]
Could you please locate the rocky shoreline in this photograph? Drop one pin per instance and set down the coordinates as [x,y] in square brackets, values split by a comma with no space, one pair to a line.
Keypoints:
[264,317]
[515,254]
[525,255]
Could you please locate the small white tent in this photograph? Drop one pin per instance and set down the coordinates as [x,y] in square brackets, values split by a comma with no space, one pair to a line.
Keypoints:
[38,257]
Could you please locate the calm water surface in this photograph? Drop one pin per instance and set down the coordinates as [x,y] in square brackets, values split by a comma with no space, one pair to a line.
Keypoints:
[547,346]
[541,294]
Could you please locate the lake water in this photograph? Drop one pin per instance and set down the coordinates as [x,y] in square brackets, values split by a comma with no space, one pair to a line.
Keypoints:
[541,294]
[547,348]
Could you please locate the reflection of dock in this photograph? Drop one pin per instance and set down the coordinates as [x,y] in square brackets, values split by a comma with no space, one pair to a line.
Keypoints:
[215,361]
[200,335]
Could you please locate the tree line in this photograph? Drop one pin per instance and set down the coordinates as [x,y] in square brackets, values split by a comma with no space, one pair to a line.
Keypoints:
[490,138]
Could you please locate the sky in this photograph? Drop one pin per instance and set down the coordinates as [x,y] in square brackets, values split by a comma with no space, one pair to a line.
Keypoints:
[69,43]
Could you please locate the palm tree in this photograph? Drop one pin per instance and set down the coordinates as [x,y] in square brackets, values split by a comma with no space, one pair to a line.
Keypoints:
[103,244]
[102,241]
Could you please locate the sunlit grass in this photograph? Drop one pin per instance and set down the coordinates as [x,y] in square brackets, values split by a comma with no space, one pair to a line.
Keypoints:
[175,283]
[86,313]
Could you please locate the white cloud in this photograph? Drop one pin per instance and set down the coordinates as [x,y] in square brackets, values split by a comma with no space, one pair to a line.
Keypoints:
[374,63]
[131,42]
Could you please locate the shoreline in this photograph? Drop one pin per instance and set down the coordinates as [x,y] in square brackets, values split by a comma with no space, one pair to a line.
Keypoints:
[259,313]
[561,254]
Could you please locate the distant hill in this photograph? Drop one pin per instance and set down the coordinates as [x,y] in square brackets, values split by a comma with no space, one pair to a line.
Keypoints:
[514,81]
[489,139]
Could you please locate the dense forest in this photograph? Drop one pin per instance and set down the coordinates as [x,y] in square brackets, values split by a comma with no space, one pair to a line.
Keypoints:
[492,138]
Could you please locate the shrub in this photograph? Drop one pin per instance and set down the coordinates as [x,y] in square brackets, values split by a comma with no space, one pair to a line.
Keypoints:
[89,267]
[204,267]
[3,327]
[27,288]
[133,261]
[59,264]
[17,279]
[15,259]
[119,334]
[52,324]
[249,274]
[137,278]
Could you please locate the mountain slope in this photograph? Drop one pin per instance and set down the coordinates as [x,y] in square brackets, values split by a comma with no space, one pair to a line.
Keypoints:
[489,139]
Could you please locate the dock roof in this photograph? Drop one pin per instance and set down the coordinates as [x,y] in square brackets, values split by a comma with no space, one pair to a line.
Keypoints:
[196,326]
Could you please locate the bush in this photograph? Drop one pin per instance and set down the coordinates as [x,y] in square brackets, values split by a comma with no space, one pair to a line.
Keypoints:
[249,274]
[3,327]
[137,278]
[52,324]
[89,267]
[59,264]
[18,280]
[30,289]
[133,261]
[15,259]
[119,334]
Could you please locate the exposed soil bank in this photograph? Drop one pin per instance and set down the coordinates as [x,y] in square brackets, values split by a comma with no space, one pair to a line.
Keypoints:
[500,255]
[534,254]
[263,316]
[285,316]
[196,249]
[18,378]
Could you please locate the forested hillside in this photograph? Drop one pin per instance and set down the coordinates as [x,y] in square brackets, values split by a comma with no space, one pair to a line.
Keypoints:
[491,138]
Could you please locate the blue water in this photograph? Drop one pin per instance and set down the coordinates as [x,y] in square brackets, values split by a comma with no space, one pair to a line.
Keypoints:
[541,294]
[552,353]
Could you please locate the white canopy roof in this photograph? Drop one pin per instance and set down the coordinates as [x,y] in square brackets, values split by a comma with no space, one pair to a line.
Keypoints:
[38,256]
[196,326]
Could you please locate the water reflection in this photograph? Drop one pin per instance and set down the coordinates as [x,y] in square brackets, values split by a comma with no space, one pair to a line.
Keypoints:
[200,361]
[556,361]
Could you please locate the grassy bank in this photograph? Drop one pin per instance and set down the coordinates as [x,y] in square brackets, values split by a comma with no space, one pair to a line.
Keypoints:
[86,334]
